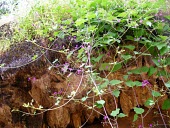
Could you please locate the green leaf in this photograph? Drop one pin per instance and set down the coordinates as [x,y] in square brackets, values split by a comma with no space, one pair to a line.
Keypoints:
[84,98]
[149,102]
[167,84]
[121,115]
[130,83]
[137,83]
[152,70]
[138,110]
[149,23]
[69,55]
[115,113]
[34,57]
[80,52]
[105,66]
[104,85]
[126,57]
[131,47]
[98,58]
[135,117]
[117,67]
[166,104]
[155,60]
[2,65]
[155,93]
[114,82]
[164,50]
[140,70]
[116,93]
[80,21]
[100,103]
[125,77]
[123,14]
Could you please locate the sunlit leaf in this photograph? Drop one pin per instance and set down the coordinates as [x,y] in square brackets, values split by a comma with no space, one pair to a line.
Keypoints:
[115,112]
[149,102]
[122,115]
[138,110]
[116,93]
[135,117]
[166,104]
[114,82]
[155,93]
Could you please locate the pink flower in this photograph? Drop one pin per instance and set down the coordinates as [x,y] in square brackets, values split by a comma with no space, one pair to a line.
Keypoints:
[141,21]
[145,82]
[118,20]
[105,118]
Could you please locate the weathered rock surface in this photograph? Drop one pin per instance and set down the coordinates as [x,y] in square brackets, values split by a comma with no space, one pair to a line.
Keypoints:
[31,82]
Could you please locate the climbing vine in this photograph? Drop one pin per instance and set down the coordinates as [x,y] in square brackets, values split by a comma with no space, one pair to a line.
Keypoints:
[101,38]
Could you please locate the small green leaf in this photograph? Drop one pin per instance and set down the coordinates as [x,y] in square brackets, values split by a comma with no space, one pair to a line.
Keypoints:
[105,66]
[137,83]
[135,117]
[98,58]
[125,77]
[115,113]
[126,57]
[167,84]
[152,70]
[84,98]
[121,115]
[34,57]
[2,65]
[104,85]
[149,102]
[131,47]
[155,93]
[100,103]
[149,23]
[166,104]
[117,67]
[80,52]
[114,82]
[80,22]
[138,110]
[140,70]
[116,93]
[130,83]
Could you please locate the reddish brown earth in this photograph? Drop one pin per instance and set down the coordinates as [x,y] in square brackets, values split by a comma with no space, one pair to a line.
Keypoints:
[34,82]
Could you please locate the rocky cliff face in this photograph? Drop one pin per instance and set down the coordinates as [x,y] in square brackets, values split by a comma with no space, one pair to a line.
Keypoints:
[26,78]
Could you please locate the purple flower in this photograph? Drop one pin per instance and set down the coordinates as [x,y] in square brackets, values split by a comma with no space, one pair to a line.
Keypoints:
[70,69]
[69,37]
[105,118]
[150,126]
[76,47]
[55,93]
[118,20]
[159,61]
[33,78]
[145,82]
[156,14]
[74,37]
[140,126]
[141,21]
[29,78]
[79,71]
[108,53]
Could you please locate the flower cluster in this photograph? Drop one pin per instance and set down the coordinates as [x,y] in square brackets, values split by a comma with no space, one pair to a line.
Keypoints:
[145,83]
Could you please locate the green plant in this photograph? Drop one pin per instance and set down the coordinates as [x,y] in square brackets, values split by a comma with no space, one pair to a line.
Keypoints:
[110,35]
